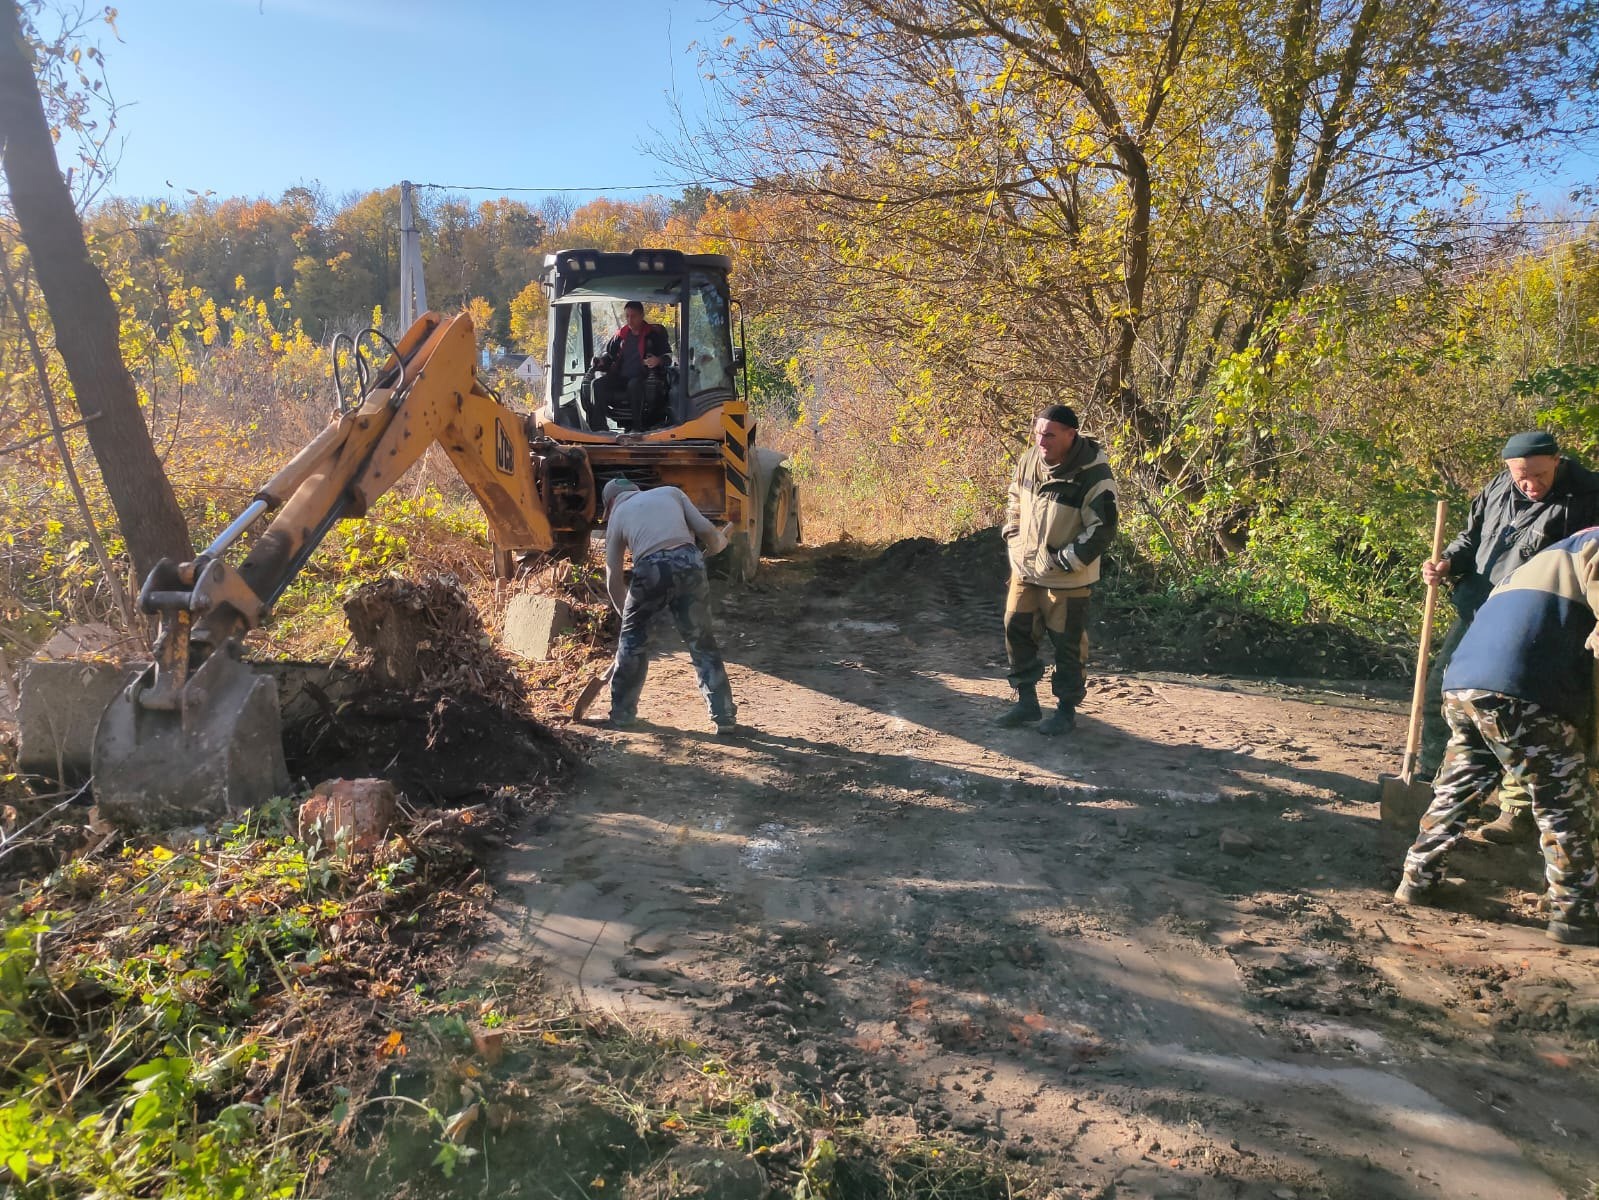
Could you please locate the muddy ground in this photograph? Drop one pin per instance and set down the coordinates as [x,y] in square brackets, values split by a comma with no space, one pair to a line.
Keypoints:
[1157,958]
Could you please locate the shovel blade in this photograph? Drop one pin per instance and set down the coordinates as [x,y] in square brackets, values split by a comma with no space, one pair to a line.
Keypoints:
[585,698]
[220,752]
[1401,804]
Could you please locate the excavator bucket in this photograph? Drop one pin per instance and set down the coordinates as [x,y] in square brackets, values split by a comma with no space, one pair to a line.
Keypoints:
[219,751]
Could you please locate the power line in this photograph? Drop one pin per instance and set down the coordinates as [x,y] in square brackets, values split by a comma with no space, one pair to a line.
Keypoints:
[1522,221]
[545,191]
[1518,223]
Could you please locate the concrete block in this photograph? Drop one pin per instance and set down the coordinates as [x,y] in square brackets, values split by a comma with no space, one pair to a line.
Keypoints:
[61,703]
[532,624]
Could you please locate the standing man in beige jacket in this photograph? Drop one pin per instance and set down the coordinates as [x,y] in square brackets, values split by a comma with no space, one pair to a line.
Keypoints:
[1059,520]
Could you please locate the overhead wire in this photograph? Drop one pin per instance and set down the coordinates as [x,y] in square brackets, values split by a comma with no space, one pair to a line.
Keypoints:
[551,191]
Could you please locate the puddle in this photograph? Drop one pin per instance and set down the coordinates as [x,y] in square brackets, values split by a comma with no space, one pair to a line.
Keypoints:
[1336,1036]
[849,626]
[770,845]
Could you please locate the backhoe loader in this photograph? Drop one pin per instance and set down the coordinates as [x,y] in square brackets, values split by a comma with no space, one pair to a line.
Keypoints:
[197,732]
[699,434]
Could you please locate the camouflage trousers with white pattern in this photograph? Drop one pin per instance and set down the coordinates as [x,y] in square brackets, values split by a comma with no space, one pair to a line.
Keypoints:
[1493,735]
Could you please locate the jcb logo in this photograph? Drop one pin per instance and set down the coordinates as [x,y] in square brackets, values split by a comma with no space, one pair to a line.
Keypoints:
[504,455]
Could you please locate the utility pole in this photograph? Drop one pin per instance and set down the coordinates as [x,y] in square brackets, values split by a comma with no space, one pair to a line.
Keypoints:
[413,288]
[818,373]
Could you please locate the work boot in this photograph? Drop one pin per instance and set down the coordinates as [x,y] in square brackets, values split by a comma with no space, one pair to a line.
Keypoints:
[1023,712]
[1413,891]
[1573,934]
[1062,720]
[1511,825]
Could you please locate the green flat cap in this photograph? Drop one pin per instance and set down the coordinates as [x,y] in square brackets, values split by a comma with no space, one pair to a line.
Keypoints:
[1529,445]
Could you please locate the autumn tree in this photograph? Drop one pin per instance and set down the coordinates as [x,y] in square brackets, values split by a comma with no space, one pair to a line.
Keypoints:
[1021,199]
[83,317]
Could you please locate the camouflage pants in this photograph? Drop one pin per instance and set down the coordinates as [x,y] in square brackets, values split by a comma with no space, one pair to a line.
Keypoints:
[1490,735]
[1034,615]
[1435,729]
[669,580]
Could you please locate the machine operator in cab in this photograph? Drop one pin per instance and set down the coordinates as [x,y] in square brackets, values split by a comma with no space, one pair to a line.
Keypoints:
[633,388]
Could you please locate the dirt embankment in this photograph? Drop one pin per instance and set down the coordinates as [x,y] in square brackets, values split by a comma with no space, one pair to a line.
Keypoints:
[1139,624]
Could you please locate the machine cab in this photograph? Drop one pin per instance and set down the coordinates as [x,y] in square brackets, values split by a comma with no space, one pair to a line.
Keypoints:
[686,294]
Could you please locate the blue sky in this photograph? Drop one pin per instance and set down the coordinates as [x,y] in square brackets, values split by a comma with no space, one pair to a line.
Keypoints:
[250,97]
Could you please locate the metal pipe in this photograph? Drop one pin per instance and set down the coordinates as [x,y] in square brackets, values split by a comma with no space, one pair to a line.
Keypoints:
[231,534]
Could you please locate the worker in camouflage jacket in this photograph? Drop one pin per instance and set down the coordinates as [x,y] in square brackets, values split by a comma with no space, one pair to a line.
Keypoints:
[1059,520]
[1518,696]
[1540,497]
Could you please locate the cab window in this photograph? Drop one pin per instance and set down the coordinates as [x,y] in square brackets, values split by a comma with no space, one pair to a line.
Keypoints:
[709,365]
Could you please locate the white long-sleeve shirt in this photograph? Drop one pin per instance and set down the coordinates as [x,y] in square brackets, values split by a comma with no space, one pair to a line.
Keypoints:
[642,523]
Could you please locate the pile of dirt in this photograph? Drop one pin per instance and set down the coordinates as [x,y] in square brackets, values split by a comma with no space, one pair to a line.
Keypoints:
[1140,621]
[438,709]
[438,747]
[1203,632]
[427,635]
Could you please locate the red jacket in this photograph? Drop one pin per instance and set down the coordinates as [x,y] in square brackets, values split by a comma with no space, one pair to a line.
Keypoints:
[627,350]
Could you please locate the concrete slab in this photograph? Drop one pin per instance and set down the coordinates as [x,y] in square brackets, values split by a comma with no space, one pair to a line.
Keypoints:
[61,705]
[532,624]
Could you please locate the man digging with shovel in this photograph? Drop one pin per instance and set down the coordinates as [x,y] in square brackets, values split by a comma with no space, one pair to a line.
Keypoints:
[1540,497]
[659,528]
[1517,695]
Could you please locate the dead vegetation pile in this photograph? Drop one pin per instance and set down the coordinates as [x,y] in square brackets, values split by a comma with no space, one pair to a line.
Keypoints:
[1140,622]
[427,635]
[437,709]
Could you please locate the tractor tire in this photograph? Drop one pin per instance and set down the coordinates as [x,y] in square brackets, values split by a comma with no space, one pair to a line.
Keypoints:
[742,558]
[780,516]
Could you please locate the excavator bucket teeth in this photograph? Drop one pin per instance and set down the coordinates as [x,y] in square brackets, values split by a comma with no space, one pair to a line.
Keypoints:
[221,751]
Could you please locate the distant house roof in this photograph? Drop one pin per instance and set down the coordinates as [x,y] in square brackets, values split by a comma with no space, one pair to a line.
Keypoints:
[510,361]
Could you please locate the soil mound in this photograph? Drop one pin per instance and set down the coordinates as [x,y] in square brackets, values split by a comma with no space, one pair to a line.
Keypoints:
[428,634]
[1140,622]
[438,747]
[438,710]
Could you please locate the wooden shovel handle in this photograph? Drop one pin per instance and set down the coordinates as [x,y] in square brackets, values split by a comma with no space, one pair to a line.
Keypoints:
[1418,694]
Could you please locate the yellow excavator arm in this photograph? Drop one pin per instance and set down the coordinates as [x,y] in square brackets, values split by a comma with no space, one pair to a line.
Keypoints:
[198,732]
[427,393]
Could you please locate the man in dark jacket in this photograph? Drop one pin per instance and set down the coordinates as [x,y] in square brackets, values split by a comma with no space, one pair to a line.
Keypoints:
[633,388]
[1059,519]
[1540,497]
[1518,696]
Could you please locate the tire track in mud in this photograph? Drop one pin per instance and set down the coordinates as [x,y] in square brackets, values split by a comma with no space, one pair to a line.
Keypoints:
[1154,959]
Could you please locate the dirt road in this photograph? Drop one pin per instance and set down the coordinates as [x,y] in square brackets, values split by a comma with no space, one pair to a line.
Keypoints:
[1155,959]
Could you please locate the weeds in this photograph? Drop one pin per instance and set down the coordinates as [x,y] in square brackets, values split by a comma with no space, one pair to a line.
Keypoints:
[623,1110]
[190,1020]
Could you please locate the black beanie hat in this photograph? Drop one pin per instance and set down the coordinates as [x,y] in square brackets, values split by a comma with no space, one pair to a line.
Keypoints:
[1060,414]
